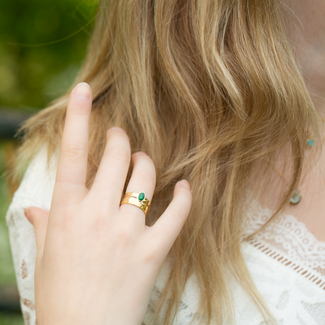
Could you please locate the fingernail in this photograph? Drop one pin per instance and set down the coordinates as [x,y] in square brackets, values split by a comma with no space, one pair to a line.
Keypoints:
[185,183]
[117,129]
[27,214]
[140,153]
[83,91]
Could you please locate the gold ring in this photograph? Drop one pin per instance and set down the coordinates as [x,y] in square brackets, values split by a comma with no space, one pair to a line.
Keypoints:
[137,199]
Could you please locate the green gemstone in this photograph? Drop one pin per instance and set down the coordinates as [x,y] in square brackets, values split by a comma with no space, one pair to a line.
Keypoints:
[296,198]
[310,142]
[141,196]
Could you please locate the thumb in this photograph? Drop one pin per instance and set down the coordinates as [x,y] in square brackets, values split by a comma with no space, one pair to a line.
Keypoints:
[39,219]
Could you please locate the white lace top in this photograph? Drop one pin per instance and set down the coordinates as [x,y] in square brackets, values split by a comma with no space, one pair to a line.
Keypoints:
[286,262]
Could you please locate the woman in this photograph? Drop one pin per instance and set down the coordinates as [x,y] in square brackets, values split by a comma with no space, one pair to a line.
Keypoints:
[224,94]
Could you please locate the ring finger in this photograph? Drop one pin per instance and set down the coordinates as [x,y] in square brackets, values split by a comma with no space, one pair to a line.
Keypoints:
[143,179]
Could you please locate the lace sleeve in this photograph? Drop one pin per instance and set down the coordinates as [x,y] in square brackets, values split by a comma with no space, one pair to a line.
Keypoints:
[35,189]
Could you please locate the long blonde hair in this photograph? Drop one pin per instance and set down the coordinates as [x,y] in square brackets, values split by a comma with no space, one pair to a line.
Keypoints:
[208,89]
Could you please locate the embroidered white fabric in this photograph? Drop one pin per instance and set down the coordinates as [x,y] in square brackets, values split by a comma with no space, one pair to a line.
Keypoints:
[289,237]
[286,262]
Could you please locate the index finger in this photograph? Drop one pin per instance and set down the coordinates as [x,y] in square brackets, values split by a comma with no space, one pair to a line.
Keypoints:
[72,166]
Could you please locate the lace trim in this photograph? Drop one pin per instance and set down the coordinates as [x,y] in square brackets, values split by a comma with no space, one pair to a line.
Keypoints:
[317,279]
[286,236]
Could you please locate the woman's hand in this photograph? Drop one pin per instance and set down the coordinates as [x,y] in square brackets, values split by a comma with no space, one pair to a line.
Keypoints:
[97,261]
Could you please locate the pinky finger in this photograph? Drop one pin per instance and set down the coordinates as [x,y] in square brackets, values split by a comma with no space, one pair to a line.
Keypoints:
[166,229]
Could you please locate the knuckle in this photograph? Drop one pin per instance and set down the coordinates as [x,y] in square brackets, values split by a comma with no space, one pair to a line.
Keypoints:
[81,109]
[146,177]
[150,255]
[119,154]
[98,222]
[75,150]
[124,235]
[65,223]
[180,211]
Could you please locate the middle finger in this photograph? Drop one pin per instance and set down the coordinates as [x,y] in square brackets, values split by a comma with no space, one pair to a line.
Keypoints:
[111,175]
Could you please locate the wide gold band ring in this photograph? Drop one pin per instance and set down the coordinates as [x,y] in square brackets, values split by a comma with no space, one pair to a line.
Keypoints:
[137,199]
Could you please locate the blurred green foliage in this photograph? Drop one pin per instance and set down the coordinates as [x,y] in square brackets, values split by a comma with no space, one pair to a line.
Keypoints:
[11,319]
[42,44]
[7,275]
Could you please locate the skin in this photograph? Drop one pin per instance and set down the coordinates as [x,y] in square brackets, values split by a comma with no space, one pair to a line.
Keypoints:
[88,236]
[97,261]
[306,25]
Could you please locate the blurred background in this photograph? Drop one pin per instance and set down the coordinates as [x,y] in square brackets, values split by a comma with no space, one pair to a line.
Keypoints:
[42,45]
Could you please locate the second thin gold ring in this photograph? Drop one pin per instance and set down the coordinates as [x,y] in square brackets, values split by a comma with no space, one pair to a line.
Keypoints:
[137,199]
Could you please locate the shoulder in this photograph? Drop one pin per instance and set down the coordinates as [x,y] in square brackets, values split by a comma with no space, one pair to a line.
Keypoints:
[38,181]
[35,189]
